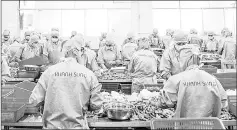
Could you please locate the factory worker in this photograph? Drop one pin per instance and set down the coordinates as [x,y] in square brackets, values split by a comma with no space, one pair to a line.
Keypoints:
[102,39]
[129,39]
[155,40]
[109,56]
[127,51]
[193,38]
[228,52]
[210,45]
[27,37]
[74,33]
[6,40]
[143,66]
[52,51]
[13,48]
[173,58]
[5,70]
[30,50]
[166,40]
[68,90]
[194,92]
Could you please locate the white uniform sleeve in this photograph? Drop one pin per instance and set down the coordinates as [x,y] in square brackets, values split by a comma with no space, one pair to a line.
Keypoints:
[131,64]
[223,95]
[100,57]
[95,99]
[38,94]
[165,63]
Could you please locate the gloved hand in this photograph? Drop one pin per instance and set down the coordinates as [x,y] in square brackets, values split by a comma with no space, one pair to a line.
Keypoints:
[112,62]
[165,75]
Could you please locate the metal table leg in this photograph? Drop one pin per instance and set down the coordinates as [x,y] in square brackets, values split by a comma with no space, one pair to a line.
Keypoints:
[6,127]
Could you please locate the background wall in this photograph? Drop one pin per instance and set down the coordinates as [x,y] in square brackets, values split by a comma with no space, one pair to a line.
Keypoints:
[118,17]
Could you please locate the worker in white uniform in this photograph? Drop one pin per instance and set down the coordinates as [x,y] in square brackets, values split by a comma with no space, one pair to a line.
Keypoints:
[102,39]
[166,40]
[173,58]
[193,38]
[222,38]
[109,56]
[52,50]
[156,40]
[127,51]
[143,66]
[130,39]
[74,33]
[194,92]
[228,52]
[15,46]
[27,37]
[68,90]
[210,45]
[6,42]
[29,50]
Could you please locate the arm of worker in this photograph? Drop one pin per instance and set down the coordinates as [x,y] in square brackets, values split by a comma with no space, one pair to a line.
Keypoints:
[204,46]
[165,65]
[100,59]
[45,52]
[118,57]
[95,98]
[95,67]
[217,46]
[131,64]
[38,94]
[18,55]
[223,95]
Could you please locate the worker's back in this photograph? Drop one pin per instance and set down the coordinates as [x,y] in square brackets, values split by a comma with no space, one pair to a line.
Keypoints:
[128,50]
[199,94]
[68,90]
[229,49]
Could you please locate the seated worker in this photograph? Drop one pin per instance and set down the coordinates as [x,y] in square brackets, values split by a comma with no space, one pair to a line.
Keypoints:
[143,66]
[210,45]
[194,92]
[109,56]
[68,90]
[129,39]
[29,50]
[193,38]
[5,70]
[52,50]
[173,58]
[156,40]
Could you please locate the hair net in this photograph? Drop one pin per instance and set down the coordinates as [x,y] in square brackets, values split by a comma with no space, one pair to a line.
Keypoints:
[210,33]
[79,39]
[34,38]
[193,31]
[103,35]
[179,36]
[70,45]
[55,29]
[27,33]
[55,33]
[6,32]
[143,43]
[130,35]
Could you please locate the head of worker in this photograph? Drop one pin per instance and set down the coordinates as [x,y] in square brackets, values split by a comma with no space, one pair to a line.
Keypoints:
[193,58]
[210,36]
[73,48]
[55,29]
[168,32]
[54,36]
[143,43]
[155,31]
[103,35]
[180,39]
[193,31]
[88,44]
[223,31]
[6,35]
[74,33]
[27,35]
[34,40]
[109,45]
[130,36]
[227,33]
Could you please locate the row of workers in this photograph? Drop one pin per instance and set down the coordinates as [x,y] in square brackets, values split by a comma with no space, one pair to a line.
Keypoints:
[68,97]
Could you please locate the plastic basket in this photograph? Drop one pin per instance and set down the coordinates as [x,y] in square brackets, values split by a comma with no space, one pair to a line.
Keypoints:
[187,123]
[126,88]
[152,87]
[12,112]
[209,69]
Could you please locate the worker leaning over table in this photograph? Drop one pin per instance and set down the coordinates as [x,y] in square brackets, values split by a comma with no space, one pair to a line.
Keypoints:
[102,39]
[193,38]
[143,66]
[109,56]
[68,90]
[127,51]
[130,39]
[194,92]
[210,45]
[173,59]
[156,40]
[14,47]
[29,50]
[52,50]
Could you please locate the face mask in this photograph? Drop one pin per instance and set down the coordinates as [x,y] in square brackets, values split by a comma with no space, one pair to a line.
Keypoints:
[27,38]
[6,38]
[54,40]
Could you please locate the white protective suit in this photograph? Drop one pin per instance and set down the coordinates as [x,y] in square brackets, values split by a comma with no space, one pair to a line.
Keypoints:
[197,93]
[69,90]
[173,59]
[128,50]
[143,66]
